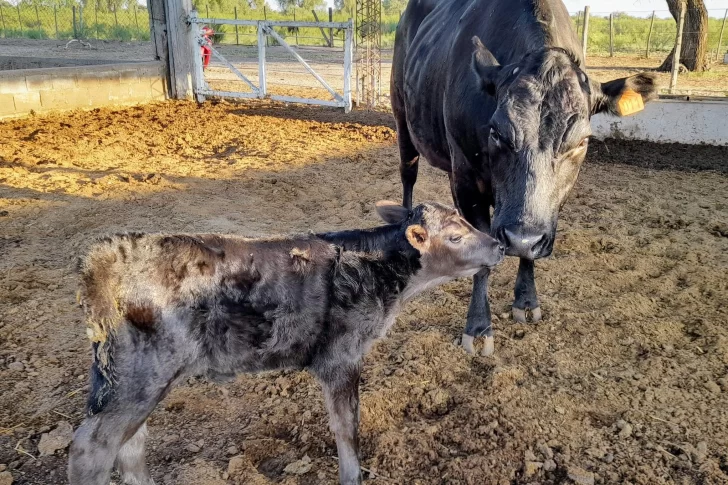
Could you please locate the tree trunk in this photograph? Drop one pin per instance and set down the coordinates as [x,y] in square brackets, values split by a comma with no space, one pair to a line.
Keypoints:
[693,54]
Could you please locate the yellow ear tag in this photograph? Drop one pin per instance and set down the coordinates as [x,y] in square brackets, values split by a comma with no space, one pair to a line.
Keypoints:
[630,103]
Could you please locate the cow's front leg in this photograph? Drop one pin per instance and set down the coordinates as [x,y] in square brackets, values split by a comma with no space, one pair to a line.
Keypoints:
[479,321]
[525,293]
[341,393]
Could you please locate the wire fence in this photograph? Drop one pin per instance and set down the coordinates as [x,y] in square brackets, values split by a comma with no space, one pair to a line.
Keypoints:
[94,21]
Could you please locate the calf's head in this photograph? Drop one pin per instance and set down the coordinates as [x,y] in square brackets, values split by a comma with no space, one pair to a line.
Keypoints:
[538,135]
[448,245]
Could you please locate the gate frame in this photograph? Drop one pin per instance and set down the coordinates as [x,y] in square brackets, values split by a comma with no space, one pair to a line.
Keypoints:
[265,28]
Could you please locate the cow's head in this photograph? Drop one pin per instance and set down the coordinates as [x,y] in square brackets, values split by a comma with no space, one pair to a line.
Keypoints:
[538,136]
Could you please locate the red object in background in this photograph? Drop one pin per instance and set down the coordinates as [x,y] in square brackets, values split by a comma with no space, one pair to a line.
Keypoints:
[206,47]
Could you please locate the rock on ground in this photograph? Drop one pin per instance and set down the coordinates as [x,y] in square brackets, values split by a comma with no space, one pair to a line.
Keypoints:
[6,478]
[58,439]
[299,467]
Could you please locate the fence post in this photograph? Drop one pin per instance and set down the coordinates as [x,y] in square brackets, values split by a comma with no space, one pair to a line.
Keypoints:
[649,36]
[2,17]
[159,38]
[611,35]
[348,34]
[180,64]
[198,77]
[720,37]
[578,23]
[296,28]
[96,19]
[585,30]
[207,10]
[237,36]
[75,33]
[136,20]
[80,21]
[37,17]
[331,30]
[116,19]
[262,39]
[265,17]
[678,46]
[326,39]
[20,21]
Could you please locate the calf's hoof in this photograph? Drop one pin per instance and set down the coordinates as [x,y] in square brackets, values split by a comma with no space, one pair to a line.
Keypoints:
[519,315]
[468,345]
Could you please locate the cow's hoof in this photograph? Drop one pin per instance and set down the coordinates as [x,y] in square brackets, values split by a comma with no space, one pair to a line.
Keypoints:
[536,314]
[467,343]
[489,347]
[519,315]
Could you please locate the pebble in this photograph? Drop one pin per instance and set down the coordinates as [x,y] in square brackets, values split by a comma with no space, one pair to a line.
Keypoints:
[580,476]
[232,450]
[16,366]
[710,386]
[626,431]
[531,468]
[192,448]
[236,465]
[58,439]
[549,465]
[6,478]
[299,467]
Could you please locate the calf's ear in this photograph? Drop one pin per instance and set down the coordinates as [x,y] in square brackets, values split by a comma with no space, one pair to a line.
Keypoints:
[485,66]
[624,96]
[391,212]
[418,237]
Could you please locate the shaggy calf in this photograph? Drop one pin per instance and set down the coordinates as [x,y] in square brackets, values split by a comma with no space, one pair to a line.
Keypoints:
[160,308]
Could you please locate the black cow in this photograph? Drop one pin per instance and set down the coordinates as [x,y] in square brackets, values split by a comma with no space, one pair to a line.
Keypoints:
[162,307]
[494,92]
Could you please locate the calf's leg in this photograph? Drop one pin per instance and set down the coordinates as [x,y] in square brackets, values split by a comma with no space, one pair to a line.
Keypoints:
[131,461]
[341,393]
[409,157]
[525,293]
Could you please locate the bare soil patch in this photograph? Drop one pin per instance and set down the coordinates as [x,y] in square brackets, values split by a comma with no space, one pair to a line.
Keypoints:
[625,380]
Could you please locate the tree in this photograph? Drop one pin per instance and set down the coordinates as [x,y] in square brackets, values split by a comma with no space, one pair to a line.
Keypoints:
[694,50]
[287,6]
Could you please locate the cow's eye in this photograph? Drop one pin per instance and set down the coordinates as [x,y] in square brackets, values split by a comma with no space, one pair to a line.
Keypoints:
[455,239]
[495,136]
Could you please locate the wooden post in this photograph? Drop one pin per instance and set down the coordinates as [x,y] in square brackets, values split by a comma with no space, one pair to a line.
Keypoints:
[75,34]
[348,57]
[80,21]
[158,36]
[20,21]
[296,29]
[585,30]
[136,20]
[198,76]
[262,39]
[2,17]
[678,47]
[116,18]
[237,35]
[207,10]
[37,17]
[55,19]
[96,19]
[326,39]
[180,58]
[331,31]
[611,35]
[720,37]
[649,36]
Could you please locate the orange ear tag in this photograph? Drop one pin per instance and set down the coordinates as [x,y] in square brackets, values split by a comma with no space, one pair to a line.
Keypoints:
[630,103]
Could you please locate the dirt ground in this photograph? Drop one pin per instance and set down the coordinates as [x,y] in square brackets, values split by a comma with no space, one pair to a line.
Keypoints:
[625,381]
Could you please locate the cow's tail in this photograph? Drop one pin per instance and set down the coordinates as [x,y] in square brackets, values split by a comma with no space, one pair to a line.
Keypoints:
[99,296]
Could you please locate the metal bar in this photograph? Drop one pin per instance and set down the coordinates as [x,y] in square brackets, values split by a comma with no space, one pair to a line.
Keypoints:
[237,34]
[720,38]
[611,35]
[678,48]
[348,51]
[228,94]
[272,23]
[320,26]
[198,77]
[319,102]
[265,17]
[262,39]
[116,18]
[649,36]
[296,28]
[585,30]
[300,59]
[235,71]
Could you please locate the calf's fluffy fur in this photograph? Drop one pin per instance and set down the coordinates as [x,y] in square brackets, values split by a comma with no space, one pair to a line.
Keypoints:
[163,307]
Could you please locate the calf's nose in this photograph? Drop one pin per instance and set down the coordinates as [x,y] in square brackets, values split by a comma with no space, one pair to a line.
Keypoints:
[524,242]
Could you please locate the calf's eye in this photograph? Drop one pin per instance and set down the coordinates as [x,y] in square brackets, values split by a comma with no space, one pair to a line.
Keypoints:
[455,239]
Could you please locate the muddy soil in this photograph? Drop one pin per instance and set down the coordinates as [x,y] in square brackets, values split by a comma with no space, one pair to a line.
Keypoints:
[625,381]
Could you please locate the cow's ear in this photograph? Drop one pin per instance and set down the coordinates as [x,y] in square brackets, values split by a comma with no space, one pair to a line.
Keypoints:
[485,66]
[391,212]
[625,96]
[418,237]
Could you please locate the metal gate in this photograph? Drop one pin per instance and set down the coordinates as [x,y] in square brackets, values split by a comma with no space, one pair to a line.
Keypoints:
[265,30]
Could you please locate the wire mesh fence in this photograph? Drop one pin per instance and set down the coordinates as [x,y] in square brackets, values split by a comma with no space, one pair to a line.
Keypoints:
[106,21]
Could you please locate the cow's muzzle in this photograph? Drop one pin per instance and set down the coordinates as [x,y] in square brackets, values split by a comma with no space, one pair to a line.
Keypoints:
[524,242]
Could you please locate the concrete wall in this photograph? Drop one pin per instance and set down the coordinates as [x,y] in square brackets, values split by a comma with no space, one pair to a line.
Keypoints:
[19,62]
[63,88]
[691,121]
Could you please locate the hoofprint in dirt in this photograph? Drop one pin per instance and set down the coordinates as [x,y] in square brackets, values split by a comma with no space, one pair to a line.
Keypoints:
[625,380]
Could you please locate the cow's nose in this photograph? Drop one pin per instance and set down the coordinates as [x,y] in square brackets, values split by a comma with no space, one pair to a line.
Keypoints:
[524,242]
